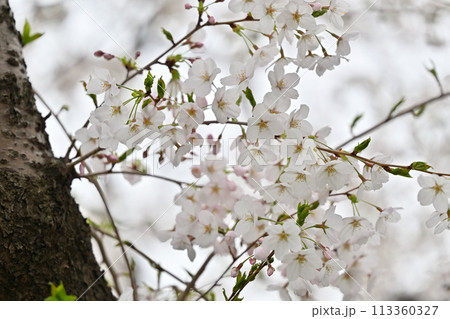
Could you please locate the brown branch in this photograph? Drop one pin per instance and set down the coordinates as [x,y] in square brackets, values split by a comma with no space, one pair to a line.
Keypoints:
[192,283]
[107,262]
[391,117]
[385,166]
[226,270]
[251,277]
[84,157]
[179,183]
[227,122]
[177,43]
[116,232]
[54,115]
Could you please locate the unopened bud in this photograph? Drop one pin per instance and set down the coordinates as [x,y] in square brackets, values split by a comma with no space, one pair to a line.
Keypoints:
[252,261]
[234,272]
[270,270]
[187,6]
[99,53]
[316,6]
[211,20]
[108,56]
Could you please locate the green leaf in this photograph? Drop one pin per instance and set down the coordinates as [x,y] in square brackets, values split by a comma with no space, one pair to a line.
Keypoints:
[175,74]
[319,13]
[190,97]
[419,110]
[167,34]
[433,72]
[355,120]
[361,146]
[224,294]
[303,211]
[420,166]
[59,293]
[148,82]
[161,88]
[395,107]
[249,95]
[27,37]
[125,155]
[400,171]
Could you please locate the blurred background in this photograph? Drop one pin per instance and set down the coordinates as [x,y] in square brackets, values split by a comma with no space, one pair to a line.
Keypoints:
[398,40]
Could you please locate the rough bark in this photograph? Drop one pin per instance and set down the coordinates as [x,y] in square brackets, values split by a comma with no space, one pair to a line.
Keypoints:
[43,237]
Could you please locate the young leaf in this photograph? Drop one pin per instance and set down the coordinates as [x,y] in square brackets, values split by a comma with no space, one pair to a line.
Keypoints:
[361,146]
[148,82]
[125,155]
[400,171]
[302,212]
[355,120]
[168,35]
[161,88]
[420,166]
[319,13]
[395,107]
[27,37]
[59,293]
[249,95]
[419,110]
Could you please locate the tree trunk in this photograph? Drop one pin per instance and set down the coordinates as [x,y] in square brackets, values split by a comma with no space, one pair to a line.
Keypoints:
[43,237]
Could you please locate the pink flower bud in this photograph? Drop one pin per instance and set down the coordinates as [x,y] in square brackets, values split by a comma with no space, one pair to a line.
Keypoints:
[137,54]
[187,6]
[252,261]
[99,53]
[82,171]
[234,272]
[112,158]
[239,170]
[211,20]
[108,56]
[316,6]
[210,139]
[270,270]
[197,45]
[196,171]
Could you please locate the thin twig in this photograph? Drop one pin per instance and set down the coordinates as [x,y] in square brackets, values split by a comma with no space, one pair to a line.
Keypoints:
[179,183]
[116,232]
[251,277]
[227,122]
[84,157]
[152,262]
[107,262]
[192,283]
[187,36]
[385,166]
[390,118]
[226,270]
[54,115]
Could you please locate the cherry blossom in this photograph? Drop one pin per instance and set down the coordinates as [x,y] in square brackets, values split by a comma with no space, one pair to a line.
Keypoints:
[435,190]
[224,105]
[282,238]
[201,75]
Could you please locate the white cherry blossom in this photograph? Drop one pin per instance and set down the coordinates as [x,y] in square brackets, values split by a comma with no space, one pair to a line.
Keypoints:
[435,190]
[201,76]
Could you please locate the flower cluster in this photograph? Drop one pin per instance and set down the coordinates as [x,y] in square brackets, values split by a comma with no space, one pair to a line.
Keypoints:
[278,199]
